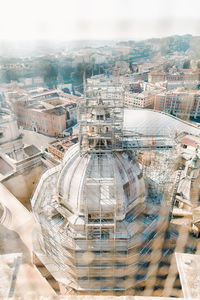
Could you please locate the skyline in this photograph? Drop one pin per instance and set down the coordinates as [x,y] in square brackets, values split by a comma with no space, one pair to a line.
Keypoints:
[97,20]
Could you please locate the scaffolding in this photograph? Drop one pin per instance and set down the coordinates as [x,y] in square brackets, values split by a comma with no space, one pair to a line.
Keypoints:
[101,121]
[104,244]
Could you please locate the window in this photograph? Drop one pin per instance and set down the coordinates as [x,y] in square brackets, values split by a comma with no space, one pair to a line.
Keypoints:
[162,277]
[145,251]
[143,265]
[105,236]
[122,278]
[120,265]
[164,264]
[140,288]
[100,117]
[99,278]
[117,288]
[140,277]
[158,287]
[167,251]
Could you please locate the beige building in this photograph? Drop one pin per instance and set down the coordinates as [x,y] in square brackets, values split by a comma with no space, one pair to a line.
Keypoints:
[181,103]
[10,136]
[141,100]
[156,77]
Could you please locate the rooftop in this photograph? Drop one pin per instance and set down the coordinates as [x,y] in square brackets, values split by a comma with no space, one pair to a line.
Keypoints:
[191,141]
[56,111]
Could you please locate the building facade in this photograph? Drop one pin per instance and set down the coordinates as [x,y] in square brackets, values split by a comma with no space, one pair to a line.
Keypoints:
[138,99]
[51,122]
[184,104]
[46,113]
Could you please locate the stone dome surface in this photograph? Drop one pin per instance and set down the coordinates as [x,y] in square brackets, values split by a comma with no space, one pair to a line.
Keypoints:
[111,180]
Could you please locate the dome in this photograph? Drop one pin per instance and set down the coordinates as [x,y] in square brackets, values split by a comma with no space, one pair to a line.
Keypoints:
[91,209]
[1,211]
[109,181]
[92,221]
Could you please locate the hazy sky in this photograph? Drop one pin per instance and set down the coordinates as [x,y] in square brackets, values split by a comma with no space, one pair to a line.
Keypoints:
[97,19]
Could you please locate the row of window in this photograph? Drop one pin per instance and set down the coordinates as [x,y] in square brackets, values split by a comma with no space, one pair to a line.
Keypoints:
[101,278]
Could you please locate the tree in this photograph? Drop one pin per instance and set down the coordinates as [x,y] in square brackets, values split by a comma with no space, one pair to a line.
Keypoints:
[50,73]
[9,75]
[186,64]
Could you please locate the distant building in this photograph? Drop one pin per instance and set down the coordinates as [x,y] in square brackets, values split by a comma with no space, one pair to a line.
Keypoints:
[182,104]
[138,99]
[156,77]
[106,92]
[135,87]
[49,117]
[99,58]
[48,121]
[45,111]
[140,76]
[32,81]
[98,80]
[185,78]
[120,68]
[146,67]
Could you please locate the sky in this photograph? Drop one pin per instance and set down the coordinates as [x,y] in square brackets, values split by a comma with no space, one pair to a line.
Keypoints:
[97,19]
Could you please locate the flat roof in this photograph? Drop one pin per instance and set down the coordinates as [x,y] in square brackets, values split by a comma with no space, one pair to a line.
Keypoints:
[191,141]
[56,111]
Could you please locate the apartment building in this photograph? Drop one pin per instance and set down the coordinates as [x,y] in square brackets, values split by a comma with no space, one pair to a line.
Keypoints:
[156,77]
[138,99]
[182,104]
